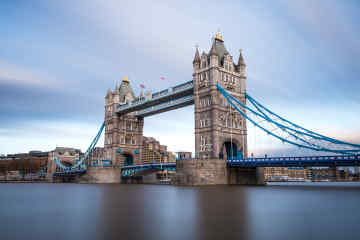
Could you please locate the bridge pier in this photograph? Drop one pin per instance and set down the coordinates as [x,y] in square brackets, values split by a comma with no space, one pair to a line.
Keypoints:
[196,172]
[101,175]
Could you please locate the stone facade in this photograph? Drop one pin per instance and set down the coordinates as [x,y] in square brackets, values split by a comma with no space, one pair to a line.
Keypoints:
[123,133]
[200,172]
[219,129]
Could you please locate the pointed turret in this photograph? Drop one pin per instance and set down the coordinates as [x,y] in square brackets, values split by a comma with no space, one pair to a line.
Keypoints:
[241,61]
[196,62]
[197,56]
[214,59]
[241,64]
[213,49]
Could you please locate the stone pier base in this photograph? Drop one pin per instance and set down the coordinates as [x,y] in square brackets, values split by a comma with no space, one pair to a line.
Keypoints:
[194,172]
[101,175]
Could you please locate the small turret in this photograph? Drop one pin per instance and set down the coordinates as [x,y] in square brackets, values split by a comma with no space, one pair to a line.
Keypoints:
[213,49]
[214,59]
[196,61]
[241,64]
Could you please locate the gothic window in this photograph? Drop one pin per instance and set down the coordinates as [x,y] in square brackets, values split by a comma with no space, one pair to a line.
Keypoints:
[203,64]
[127,140]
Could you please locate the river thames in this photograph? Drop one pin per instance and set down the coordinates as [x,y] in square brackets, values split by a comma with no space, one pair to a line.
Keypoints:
[76,211]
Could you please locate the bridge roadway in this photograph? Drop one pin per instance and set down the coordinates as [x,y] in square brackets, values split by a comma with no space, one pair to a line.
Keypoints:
[162,101]
[309,161]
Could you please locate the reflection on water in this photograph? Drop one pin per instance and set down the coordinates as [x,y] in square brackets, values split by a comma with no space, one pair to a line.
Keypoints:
[71,211]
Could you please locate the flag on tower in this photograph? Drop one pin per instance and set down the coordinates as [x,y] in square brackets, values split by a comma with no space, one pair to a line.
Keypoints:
[142,86]
[162,78]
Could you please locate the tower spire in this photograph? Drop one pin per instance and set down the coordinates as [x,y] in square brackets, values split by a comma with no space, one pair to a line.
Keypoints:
[197,55]
[116,84]
[213,48]
[241,61]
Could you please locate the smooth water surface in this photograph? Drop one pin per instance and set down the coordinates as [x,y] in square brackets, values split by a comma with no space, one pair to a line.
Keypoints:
[77,211]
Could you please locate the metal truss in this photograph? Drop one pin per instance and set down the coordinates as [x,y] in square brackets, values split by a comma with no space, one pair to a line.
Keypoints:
[80,165]
[285,130]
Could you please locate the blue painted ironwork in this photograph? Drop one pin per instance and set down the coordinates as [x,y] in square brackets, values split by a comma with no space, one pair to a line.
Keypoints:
[136,169]
[80,165]
[307,161]
[167,105]
[294,134]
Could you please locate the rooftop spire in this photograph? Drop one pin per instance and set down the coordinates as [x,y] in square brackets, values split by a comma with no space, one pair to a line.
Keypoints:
[218,35]
[213,48]
[197,55]
[125,79]
[241,61]
[116,84]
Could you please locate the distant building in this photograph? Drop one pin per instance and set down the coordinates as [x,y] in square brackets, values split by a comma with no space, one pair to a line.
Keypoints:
[285,174]
[23,164]
[154,152]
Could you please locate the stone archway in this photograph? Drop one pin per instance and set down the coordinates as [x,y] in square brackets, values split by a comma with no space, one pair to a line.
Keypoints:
[231,149]
[128,159]
[124,159]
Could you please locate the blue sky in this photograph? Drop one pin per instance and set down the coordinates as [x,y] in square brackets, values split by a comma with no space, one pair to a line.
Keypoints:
[58,58]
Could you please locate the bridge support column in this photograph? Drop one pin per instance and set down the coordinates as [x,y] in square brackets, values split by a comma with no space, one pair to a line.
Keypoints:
[193,172]
[101,175]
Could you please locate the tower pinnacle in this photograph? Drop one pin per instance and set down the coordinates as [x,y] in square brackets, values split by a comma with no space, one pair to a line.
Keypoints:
[125,79]
[197,55]
[241,61]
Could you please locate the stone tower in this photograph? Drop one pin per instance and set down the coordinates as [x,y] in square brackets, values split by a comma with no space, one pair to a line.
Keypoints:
[220,131]
[123,133]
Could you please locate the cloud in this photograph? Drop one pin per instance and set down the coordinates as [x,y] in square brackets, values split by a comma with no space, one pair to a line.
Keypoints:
[46,135]
[12,74]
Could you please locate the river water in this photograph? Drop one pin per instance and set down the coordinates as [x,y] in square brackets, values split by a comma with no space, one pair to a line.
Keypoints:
[79,211]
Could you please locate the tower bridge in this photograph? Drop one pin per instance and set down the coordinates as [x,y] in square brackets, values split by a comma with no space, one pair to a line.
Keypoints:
[222,110]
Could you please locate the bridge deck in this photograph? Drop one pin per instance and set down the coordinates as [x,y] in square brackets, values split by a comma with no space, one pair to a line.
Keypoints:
[309,161]
[165,100]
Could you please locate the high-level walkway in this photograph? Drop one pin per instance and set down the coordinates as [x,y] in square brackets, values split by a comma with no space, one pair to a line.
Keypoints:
[162,101]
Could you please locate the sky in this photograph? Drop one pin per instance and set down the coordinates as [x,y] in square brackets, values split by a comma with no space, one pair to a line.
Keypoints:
[58,58]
